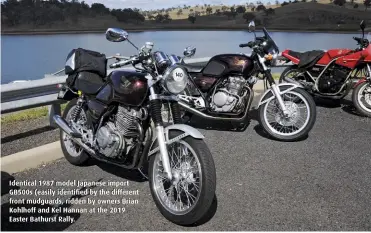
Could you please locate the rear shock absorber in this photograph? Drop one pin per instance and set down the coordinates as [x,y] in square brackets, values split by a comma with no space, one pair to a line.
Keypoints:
[77,111]
[175,111]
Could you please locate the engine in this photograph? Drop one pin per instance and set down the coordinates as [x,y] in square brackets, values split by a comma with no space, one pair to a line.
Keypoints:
[116,137]
[228,96]
[332,81]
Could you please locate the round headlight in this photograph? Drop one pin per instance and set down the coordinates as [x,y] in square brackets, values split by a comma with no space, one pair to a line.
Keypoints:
[175,79]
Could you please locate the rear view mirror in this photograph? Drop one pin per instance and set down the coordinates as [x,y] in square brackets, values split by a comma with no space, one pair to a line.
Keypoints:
[189,51]
[116,35]
[252,26]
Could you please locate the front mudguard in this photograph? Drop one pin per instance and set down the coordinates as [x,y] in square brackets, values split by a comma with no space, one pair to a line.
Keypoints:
[283,87]
[187,131]
[362,80]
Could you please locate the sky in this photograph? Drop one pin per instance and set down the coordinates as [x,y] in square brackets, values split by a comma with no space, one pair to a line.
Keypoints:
[158,4]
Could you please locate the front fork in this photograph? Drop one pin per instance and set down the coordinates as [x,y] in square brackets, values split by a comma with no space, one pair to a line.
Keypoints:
[275,89]
[155,107]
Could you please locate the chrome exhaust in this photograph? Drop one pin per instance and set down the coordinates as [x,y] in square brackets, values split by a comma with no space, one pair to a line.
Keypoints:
[206,116]
[75,137]
[64,126]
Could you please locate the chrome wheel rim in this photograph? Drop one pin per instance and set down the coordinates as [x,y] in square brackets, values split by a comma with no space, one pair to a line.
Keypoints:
[287,126]
[364,97]
[179,195]
[72,148]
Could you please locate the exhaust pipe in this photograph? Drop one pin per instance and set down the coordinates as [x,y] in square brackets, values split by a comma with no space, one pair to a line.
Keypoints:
[206,116]
[64,126]
[76,137]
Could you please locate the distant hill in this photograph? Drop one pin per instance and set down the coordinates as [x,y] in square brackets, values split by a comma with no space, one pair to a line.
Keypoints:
[77,16]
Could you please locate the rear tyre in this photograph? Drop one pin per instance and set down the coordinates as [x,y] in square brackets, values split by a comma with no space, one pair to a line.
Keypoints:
[362,98]
[286,72]
[71,151]
[301,119]
[187,198]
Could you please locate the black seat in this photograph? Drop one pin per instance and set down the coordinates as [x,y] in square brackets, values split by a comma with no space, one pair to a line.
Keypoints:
[193,68]
[307,59]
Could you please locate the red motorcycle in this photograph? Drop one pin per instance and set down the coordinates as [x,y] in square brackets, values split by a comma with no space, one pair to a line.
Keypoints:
[331,74]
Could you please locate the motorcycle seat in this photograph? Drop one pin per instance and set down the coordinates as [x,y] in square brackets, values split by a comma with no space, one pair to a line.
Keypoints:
[193,68]
[307,59]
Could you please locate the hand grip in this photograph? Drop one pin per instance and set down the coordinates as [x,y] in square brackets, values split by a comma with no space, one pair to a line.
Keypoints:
[244,45]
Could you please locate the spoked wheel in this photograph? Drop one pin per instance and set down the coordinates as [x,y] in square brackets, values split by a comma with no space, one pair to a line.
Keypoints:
[297,123]
[362,98]
[71,151]
[291,75]
[186,198]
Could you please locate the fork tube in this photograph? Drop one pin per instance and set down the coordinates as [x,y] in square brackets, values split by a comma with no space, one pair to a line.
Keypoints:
[155,107]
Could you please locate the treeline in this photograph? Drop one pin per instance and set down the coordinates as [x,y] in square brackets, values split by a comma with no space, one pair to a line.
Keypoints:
[42,12]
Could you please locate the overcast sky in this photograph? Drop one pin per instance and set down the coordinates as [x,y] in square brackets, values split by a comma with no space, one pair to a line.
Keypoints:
[157,4]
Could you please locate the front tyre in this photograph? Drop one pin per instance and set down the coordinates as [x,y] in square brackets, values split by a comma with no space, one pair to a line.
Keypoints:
[362,98]
[186,199]
[299,121]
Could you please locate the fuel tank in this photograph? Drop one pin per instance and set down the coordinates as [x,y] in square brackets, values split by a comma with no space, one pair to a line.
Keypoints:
[229,64]
[126,87]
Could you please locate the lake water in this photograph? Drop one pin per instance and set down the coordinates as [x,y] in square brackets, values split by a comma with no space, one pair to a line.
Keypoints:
[29,57]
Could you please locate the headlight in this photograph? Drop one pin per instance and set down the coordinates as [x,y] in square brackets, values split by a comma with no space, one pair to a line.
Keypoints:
[175,79]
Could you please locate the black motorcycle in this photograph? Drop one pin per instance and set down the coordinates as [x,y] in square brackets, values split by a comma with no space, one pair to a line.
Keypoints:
[109,118]
[222,91]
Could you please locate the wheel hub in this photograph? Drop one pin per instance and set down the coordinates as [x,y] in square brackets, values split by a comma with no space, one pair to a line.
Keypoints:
[292,114]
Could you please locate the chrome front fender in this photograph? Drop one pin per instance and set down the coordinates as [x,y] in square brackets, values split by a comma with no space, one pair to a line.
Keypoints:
[187,131]
[283,88]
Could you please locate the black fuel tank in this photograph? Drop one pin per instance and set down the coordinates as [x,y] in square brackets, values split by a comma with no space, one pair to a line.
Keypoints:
[224,64]
[126,87]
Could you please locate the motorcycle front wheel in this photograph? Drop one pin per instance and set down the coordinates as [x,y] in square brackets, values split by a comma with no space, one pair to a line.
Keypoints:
[299,121]
[362,98]
[187,198]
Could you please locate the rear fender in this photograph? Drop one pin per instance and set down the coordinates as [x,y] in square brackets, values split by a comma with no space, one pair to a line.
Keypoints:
[187,131]
[283,87]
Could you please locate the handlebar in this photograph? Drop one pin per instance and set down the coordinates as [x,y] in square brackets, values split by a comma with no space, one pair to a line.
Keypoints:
[244,45]
[123,63]
[361,41]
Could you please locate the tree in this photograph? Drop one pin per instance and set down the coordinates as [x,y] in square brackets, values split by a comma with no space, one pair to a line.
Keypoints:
[180,12]
[284,3]
[277,2]
[248,16]
[209,10]
[339,2]
[367,4]
[241,9]
[192,18]
[269,11]
[218,12]
[260,7]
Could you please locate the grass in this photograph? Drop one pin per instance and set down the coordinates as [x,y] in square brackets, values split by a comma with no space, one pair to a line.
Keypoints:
[36,113]
[25,115]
